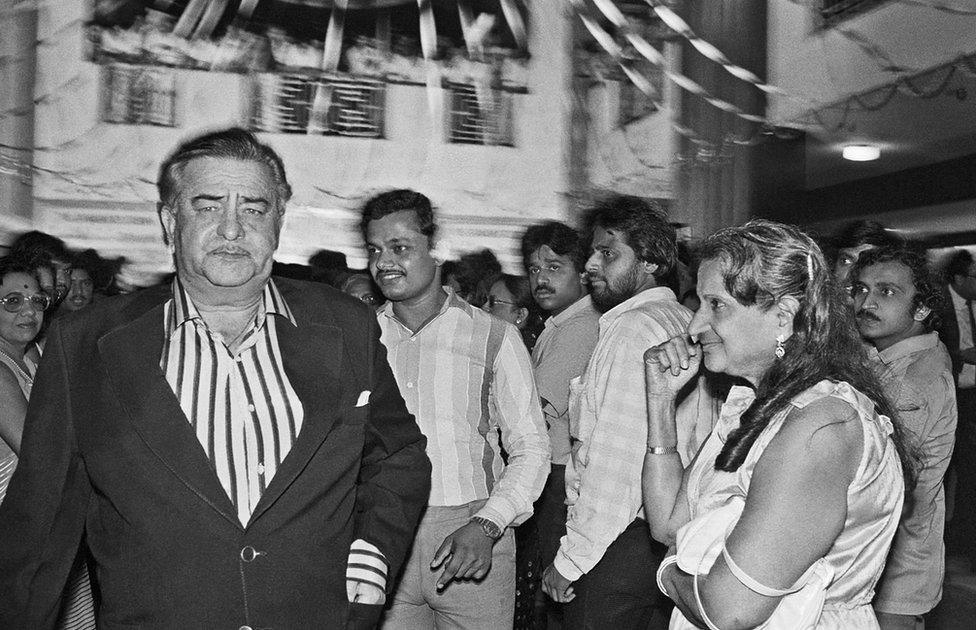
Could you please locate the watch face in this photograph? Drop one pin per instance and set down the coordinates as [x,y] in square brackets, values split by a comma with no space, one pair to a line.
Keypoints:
[490,529]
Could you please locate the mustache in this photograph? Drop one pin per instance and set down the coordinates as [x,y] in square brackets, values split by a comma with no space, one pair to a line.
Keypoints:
[543,291]
[867,315]
[230,250]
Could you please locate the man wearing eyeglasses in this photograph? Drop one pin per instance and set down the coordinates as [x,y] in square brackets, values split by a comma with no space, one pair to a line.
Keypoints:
[231,448]
[467,378]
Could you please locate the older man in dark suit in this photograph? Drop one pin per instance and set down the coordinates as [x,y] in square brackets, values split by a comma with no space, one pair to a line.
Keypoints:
[232,449]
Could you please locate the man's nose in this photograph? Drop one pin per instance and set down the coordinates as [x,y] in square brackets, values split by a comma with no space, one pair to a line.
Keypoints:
[593,263]
[384,259]
[230,226]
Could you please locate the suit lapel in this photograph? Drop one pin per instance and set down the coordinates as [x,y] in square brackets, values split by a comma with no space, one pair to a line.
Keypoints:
[312,354]
[132,353]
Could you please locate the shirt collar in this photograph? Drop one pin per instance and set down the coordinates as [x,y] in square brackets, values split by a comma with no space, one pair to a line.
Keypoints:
[183,311]
[453,300]
[655,294]
[905,347]
[585,303]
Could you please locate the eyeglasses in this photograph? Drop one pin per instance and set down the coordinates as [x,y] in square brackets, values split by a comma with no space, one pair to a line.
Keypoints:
[492,301]
[15,302]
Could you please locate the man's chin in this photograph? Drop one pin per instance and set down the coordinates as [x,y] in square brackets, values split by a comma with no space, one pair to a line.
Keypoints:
[606,300]
[230,278]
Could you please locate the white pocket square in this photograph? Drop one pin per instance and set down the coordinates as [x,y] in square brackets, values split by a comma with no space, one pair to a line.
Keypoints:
[363,398]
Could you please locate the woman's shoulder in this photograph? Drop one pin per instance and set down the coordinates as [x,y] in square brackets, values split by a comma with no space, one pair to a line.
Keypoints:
[824,434]
[825,416]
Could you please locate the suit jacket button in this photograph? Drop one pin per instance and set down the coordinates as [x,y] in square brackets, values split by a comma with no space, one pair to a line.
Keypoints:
[249,554]
[245,628]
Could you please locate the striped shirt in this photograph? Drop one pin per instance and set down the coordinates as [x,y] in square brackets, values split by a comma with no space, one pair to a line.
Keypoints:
[462,401]
[242,408]
[608,424]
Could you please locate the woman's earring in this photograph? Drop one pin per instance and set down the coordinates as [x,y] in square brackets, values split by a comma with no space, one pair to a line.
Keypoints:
[780,350]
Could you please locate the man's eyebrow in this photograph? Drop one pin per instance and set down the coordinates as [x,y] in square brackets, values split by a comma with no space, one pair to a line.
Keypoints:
[207,198]
[253,200]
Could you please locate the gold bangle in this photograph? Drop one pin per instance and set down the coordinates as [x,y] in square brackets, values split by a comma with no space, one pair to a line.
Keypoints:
[663,450]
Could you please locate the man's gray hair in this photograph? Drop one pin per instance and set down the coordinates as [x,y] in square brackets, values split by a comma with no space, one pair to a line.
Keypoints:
[234,143]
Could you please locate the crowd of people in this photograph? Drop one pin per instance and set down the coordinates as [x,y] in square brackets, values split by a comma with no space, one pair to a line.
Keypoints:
[757,431]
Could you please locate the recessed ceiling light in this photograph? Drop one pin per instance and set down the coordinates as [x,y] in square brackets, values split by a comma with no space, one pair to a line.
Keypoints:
[861,152]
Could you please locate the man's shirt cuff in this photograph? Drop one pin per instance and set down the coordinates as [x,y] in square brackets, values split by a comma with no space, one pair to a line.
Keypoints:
[566,567]
[367,564]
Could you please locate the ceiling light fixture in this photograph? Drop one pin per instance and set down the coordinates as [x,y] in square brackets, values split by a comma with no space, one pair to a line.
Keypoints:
[861,152]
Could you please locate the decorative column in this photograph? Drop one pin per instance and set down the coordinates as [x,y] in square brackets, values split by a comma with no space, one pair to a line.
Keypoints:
[714,188]
[18,35]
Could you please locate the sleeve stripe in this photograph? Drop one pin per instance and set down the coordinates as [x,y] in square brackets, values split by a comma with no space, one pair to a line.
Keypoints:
[366,576]
[355,566]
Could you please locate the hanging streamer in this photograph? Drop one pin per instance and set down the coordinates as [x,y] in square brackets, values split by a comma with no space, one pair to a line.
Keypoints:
[467,24]
[678,25]
[246,9]
[940,6]
[211,17]
[189,18]
[428,43]
[613,48]
[650,53]
[318,118]
[515,23]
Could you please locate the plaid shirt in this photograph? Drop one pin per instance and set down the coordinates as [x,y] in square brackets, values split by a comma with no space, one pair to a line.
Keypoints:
[608,424]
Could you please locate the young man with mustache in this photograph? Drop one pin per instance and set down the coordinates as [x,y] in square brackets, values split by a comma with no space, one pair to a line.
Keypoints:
[554,256]
[605,564]
[896,302]
[467,378]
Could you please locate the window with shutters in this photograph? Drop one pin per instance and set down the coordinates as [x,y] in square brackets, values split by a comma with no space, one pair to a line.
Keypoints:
[138,95]
[479,115]
[339,106]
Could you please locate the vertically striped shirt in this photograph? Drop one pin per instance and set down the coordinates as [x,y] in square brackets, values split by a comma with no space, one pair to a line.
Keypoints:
[241,406]
[462,400]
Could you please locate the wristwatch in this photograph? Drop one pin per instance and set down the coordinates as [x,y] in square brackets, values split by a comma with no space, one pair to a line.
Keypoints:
[488,526]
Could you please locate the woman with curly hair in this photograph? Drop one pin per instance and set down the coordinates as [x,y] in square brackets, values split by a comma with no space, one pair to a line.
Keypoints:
[785,516]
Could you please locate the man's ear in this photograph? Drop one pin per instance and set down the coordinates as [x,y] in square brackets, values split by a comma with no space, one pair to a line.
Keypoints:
[921,313]
[650,267]
[167,217]
[523,315]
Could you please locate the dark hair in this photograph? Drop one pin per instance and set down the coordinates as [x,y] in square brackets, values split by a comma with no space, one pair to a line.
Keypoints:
[763,262]
[234,143]
[645,223]
[15,263]
[400,200]
[474,273]
[559,237]
[39,249]
[521,292]
[872,233]
[958,264]
[928,290]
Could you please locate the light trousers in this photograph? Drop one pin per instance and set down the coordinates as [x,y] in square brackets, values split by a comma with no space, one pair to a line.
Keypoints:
[487,604]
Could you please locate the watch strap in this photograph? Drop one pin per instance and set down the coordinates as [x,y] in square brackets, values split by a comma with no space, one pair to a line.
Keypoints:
[489,527]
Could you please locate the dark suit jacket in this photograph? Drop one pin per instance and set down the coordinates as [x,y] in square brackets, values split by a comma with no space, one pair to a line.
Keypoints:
[109,457]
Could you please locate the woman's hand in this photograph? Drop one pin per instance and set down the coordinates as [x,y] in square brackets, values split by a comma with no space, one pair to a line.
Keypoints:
[670,365]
